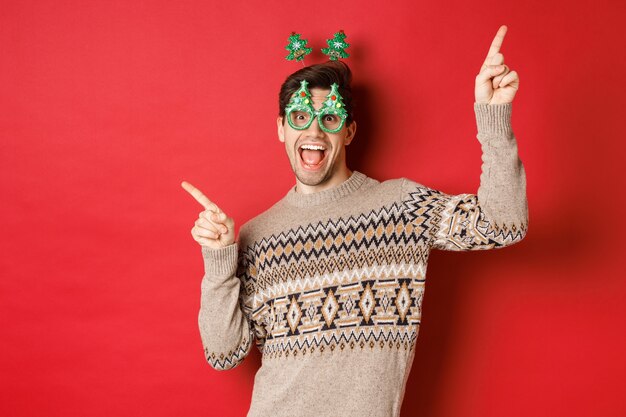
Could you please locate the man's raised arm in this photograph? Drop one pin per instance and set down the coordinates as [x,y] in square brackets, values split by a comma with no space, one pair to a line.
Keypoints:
[497,215]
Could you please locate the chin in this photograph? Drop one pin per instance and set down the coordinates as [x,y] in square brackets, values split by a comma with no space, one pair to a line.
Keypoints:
[311,178]
[315,177]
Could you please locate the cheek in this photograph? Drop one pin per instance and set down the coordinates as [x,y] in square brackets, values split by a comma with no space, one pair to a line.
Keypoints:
[290,143]
[338,142]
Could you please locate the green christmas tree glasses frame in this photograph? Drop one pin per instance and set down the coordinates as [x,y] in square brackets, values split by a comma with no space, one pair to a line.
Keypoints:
[331,116]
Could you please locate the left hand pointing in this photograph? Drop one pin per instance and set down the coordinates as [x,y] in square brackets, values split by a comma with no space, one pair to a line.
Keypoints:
[495,83]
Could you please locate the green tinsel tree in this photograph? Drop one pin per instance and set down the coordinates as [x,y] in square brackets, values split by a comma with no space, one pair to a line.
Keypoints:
[297,47]
[336,46]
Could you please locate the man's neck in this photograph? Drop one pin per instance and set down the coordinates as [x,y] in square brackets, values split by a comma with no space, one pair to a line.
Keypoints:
[334,181]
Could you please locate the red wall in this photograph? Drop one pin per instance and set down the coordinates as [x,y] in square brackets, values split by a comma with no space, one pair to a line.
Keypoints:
[105,106]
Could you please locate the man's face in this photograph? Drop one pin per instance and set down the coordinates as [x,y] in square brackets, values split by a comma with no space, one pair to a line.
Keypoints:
[316,156]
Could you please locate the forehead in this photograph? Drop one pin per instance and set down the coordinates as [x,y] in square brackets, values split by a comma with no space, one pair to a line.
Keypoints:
[318,95]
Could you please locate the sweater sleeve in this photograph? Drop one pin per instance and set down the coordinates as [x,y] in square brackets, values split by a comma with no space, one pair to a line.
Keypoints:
[495,217]
[224,320]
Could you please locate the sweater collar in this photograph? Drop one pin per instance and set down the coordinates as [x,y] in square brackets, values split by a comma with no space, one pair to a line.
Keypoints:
[350,185]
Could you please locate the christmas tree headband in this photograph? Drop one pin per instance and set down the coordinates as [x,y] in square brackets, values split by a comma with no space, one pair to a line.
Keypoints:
[336,47]
[300,111]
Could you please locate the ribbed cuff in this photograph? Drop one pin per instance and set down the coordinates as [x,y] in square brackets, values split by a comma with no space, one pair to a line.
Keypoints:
[220,262]
[494,119]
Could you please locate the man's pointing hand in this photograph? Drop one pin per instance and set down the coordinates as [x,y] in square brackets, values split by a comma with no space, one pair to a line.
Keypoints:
[496,83]
[213,229]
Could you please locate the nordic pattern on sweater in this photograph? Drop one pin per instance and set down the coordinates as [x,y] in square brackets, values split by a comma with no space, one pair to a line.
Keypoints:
[357,282]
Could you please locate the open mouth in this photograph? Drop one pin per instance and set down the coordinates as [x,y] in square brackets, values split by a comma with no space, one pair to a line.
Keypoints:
[312,156]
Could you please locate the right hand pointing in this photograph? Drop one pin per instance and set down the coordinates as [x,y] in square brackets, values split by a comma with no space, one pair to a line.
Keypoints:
[213,229]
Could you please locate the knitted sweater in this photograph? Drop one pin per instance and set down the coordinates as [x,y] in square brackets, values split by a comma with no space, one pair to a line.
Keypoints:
[330,285]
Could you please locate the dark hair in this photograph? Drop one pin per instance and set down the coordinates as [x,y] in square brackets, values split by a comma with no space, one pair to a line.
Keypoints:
[320,76]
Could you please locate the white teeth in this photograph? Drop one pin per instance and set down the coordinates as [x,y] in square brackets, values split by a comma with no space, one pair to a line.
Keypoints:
[313,147]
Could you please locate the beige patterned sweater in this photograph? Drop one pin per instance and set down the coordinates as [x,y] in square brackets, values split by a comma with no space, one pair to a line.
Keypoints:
[330,285]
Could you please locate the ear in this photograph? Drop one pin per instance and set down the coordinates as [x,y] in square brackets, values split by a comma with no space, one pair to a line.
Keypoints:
[281,129]
[350,132]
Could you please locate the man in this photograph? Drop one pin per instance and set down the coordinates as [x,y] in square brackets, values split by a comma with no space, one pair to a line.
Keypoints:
[330,280]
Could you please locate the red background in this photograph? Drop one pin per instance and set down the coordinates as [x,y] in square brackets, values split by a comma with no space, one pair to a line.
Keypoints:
[106,106]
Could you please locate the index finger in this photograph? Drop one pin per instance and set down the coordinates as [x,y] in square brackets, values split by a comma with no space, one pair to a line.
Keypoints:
[495,44]
[200,198]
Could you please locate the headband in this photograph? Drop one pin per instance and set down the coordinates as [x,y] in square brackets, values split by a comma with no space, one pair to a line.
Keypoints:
[300,111]
[336,47]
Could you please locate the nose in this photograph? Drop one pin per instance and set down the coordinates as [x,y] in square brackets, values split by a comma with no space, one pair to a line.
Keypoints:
[314,129]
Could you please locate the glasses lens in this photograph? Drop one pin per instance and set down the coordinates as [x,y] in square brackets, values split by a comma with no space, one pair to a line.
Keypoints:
[299,118]
[331,122]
